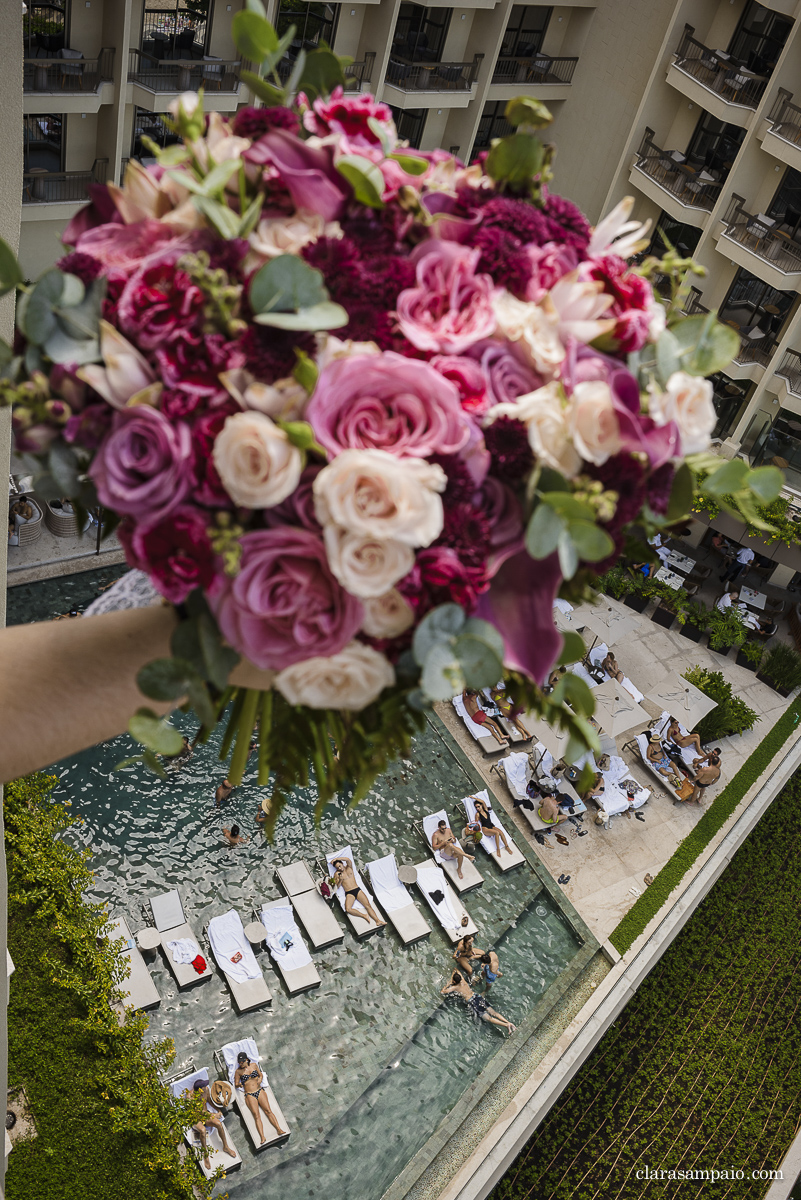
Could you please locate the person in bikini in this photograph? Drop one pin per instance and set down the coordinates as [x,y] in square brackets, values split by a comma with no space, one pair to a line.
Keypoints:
[490,829]
[659,760]
[211,1119]
[508,710]
[250,1077]
[345,878]
[610,666]
[444,841]
[477,715]
[465,952]
[683,739]
[478,1005]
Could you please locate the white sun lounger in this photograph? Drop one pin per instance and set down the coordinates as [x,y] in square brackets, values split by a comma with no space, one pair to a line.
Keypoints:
[244,977]
[506,862]
[615,798]
[597,656]
[294,965]
[138,990]
[409,923]
[358,920]
[168,915]
[314,914]
[449,911]
[507,727]
[516,770]
[482,735]
[229,1053]
[471,876]
[641,741]
[217,1156]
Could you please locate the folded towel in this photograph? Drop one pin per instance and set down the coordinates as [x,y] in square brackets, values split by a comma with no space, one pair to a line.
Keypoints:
[431,882]
[184,950]
[279,921]
[390,892]
[199,964]
[231,948]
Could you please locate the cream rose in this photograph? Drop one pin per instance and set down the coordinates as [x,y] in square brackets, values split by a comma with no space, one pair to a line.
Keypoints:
[373,493]
[274,236]
[256,461]
[546,414]
[366,566]
[535,329]
[594,424]
[349,680]
[687,400]
[331,348]
[387,616]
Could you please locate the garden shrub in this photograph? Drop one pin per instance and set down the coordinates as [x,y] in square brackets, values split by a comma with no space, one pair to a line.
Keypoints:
[107,1128]
[702,1069]
[782,666]
[732,714]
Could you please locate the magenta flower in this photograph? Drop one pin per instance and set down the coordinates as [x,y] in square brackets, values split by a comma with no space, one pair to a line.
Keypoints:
[519,604]
[634,306]
[505,515]
[349,117]
[144,466]
[284,606]
[387,402]
[122,248]
[175,552]
[307,172]
[468,377]
[451,307]
[160,303]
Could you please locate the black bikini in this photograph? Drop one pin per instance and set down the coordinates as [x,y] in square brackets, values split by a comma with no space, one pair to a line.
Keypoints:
[486,821]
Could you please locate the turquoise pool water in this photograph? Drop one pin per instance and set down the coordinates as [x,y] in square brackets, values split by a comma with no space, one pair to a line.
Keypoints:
[367,1066]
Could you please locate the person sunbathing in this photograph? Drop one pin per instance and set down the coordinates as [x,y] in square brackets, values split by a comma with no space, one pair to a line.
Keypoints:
[250,1077]
[477,715]
[345,877]
[477,1004]
[596,790]
[490,828]
[465,952]
[508,710]
[549,812]
[444,841]
[683,739]
[660,761]
[610,665]
[210,1120]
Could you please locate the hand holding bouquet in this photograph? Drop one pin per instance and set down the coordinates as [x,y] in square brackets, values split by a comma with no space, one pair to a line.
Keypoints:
[360,410]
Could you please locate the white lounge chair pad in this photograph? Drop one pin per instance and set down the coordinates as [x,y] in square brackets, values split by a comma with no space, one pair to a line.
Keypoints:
[168,912]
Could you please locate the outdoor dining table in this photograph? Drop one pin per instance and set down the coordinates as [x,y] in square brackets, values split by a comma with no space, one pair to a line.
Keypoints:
[670,578]
[680,561]
[755,599]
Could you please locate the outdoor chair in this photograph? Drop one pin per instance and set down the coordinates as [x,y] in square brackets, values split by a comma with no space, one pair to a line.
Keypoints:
[73,69]
[212,74]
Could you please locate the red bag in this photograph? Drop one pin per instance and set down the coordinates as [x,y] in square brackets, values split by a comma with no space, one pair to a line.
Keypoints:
[199,963]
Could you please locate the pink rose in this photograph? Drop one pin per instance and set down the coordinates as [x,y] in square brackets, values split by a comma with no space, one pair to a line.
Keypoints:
[468,377]
[506,372]
[387,402]
[144,466]
[175,552]
[122,248]
[349,116]
[451,307]
[549,263]
[285,605]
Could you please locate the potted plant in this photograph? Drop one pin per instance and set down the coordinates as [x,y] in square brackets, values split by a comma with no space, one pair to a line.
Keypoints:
[672,604]
[726,629]
[781,668]
[696,621]
[750,655]
[636,595]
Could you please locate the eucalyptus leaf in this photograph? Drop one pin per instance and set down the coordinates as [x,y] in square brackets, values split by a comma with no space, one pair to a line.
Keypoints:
[185,645]
[33,358]
[155,733]
[265,91]
[766,483]
[480,664]
[40,320]
[442,675]
[591,542]
[326,315]
[410,164]
[668,355]
[577,693]
[286,284]
[62,348]
[10,271]
[681,494]
[568,506]
[438,626]
[72,292]
[364,177]
[254,35]
[82,321]
[705,346]
[321,74]
[543,531]
[476,627]
[568,554]
[200,699]
[165,678]
[573,648]
[219,659]
[728,478]
[515,159]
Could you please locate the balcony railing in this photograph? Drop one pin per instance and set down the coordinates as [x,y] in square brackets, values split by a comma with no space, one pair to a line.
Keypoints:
[359,73]
[695,189]
[537,68]
[67,74]
[693,306]
[759,234]
[785,118]
[789,369]
[183,74]
[433,77]
[755,347]
[61,187]
[718,72]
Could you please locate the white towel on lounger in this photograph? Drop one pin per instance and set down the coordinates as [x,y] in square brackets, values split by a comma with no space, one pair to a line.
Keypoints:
[228,940]
[516,775]
[432,879]
[390,892]
[279,921]
[184,950]
[478,731]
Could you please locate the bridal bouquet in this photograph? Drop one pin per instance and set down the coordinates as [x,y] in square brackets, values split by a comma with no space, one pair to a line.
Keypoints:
[361,411]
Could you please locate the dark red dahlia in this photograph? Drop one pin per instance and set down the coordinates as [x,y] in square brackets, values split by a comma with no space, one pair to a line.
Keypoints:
[624,475]
[269,354]
[84,266]
[175,552]
[575,226]
[660,484]
[460,488]
[253,122]
[511,455]
[209,489]
[504,258]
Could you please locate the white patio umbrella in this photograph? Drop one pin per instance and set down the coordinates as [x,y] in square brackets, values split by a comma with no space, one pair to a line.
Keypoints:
[609,624]
[616,710]
[681,699]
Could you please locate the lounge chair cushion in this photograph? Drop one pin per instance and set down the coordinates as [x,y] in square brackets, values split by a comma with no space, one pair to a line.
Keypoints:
[168,912]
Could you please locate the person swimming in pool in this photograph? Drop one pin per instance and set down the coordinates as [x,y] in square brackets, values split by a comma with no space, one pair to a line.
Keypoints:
[490,968]
[210,1120]
[477,1005]
[345,877]
[250,1077]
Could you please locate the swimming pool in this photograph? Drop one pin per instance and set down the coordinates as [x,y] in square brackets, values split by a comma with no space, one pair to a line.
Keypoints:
[367,1066]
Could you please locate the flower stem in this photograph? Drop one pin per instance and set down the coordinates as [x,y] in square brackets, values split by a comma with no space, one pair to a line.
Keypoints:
[246,722]
[265,728]
[233,724]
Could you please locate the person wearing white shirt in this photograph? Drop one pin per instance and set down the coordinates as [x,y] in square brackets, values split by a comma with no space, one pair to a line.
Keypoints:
[745,557]
[726,600]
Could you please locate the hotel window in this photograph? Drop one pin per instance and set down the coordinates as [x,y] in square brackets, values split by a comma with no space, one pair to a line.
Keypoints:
[525,30]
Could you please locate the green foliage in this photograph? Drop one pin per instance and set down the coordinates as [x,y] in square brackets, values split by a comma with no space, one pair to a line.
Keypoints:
[455,652]
[564,523]
[767,520]
[702,1067]
[289,294]
[732,714]
[10,271]
[107,1128]
[782,666]
[726,629]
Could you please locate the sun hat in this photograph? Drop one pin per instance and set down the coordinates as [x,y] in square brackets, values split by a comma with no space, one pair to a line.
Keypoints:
[655,739]
[221,1093]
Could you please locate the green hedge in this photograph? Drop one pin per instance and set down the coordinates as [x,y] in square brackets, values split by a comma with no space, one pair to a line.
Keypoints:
[702,1069]
[106,1126]
[715,817]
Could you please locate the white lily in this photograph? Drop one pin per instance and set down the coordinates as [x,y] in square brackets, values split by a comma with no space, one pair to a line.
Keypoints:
[126,373]
[580,304]
[145,197]
[615,234]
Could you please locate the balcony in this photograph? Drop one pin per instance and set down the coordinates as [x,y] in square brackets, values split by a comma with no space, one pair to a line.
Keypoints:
[783,138]
[694,191]
[789,370]
[756,347]
[357,74]
[766,243]
[438,79]
[40,186]
[71,73]
[716,80]
[536,68]
[156,77]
